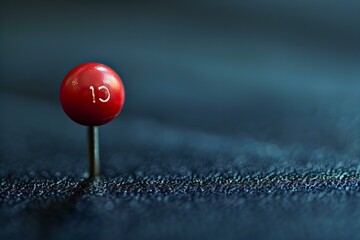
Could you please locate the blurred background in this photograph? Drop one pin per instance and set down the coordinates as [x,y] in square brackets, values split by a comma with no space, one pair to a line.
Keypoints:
[266,91]
[281,73]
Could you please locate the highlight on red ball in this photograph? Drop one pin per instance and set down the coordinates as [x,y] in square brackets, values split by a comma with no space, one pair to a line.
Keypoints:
[92,94]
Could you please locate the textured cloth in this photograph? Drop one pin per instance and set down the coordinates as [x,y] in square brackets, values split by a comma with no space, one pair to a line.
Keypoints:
[166,182]
[241,120]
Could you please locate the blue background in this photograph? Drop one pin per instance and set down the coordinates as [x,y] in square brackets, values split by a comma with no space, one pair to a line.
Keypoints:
[241,120]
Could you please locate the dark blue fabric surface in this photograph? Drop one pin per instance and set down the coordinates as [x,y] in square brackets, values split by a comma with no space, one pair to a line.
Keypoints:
[161,181]
[241,120]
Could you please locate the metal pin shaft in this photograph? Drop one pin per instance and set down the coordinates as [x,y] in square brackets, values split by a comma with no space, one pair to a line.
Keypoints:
[94,154]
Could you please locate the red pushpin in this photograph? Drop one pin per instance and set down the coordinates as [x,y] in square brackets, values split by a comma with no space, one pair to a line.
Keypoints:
[92,94]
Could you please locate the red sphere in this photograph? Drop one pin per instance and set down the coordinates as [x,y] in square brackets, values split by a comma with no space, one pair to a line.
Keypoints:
[92,94]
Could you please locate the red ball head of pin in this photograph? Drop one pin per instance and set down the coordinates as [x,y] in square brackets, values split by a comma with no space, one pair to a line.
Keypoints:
[92,94]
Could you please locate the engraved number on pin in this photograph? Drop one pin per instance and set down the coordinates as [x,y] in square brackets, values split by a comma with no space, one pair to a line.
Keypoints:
[100,88]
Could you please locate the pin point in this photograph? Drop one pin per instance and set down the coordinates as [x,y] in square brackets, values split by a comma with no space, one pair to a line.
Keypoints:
[92,94]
